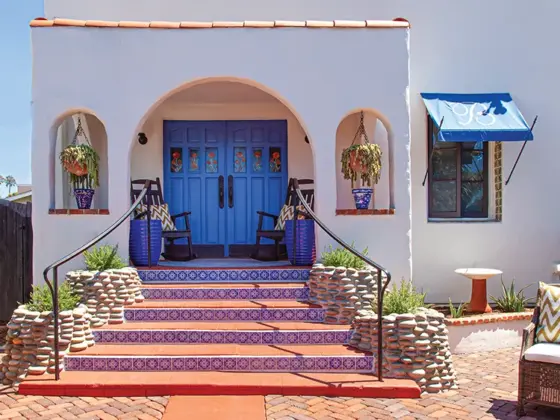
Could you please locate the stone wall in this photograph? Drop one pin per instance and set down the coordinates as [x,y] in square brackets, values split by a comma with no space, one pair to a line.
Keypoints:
[30,341]
[415,346]
[106,293]
[342,291]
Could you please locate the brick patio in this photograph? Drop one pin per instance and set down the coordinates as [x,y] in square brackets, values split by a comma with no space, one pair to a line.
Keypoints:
[488,388]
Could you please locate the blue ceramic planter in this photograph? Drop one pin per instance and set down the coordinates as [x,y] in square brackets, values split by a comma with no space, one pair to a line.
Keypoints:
[362,197]
[305,241]
[138,242]
[84,197]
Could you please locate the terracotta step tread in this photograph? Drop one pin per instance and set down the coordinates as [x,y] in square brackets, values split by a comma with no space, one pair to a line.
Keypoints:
[221,304]
[226,326]
[224,285]
[105,384]
[216,407]
[218,350]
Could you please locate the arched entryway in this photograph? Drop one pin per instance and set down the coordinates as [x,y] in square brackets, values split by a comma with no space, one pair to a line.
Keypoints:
[223,149]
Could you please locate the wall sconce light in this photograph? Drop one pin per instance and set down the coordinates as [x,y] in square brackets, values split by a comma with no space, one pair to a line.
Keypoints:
[142,139]
[306,139]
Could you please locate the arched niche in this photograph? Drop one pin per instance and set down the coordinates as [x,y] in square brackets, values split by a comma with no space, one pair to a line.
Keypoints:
[63,133]
[379,132]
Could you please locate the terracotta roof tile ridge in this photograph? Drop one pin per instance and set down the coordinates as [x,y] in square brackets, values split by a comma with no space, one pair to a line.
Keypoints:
[348,24]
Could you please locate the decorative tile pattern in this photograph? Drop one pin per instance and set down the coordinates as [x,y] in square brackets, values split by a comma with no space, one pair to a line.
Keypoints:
[221,337]
[257,159]
[239,160]
[192,314]
[224,363]
[176,163]
[275,159]
[264,275]
[194,159]
[211,160]
[286,293]
[498,185]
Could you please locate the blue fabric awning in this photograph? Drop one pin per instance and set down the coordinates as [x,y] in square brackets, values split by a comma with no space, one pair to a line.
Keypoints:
[476,117]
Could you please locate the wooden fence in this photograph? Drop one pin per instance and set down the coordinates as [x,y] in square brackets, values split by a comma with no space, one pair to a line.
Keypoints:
[16,256]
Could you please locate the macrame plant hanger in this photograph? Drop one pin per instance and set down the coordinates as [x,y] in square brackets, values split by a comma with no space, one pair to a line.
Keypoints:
[76,169]
[361,135]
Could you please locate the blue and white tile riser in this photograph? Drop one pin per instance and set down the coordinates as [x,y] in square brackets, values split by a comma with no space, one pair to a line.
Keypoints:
[261,275]
[221,337]
[230,293]
[341,364]
[195,314]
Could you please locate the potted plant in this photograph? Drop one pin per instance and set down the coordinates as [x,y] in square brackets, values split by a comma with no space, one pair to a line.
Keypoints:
[363,159]
[81,161]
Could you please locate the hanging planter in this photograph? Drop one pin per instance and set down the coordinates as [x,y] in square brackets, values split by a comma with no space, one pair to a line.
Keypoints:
[81,162]
[362,160]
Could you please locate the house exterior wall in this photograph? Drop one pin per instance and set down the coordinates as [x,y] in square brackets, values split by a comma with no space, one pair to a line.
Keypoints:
[474,46]
[121,76]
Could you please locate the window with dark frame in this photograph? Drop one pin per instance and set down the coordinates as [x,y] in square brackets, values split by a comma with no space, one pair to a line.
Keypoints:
[458,178]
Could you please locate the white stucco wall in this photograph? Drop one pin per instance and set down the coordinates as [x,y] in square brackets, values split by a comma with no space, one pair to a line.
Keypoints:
[474,46]
[128,71]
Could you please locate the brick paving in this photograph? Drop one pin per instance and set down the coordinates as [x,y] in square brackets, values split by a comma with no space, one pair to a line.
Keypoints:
[487,390]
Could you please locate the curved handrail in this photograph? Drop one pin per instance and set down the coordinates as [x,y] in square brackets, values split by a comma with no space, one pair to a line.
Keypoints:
[380,287]
[54,266]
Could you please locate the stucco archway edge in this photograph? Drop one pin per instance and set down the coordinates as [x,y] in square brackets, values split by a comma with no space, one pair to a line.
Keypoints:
[212,79]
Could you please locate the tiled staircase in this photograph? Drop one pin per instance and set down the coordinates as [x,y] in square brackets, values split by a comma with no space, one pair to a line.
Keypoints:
[222,331]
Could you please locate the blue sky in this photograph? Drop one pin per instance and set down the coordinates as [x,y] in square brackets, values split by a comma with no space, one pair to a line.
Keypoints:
[15,87]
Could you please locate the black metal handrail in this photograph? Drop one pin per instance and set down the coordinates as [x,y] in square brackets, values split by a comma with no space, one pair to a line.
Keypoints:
[54,266]
[380,287]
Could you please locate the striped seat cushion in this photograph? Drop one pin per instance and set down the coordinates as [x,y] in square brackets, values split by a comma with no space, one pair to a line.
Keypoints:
[160,212]
[548,330]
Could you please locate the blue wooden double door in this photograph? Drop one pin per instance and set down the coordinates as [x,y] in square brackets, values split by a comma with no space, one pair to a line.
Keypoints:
[223,172]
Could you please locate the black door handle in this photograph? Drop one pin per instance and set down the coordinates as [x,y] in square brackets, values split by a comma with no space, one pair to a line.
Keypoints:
[230,191]
[221,190]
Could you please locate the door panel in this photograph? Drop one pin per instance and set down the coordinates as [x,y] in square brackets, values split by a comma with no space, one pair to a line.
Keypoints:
[251,156]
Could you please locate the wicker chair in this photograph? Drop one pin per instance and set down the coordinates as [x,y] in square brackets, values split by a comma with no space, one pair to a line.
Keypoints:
[539,381]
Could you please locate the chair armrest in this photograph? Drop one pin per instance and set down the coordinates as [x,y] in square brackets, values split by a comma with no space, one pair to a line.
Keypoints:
[529,333]
[184,214]
[263,213]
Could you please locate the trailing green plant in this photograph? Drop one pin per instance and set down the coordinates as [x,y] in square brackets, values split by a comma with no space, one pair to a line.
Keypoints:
[85,156]
[341,257]
[403,299]
[102,258]
[456,312]
[510,301]
[41,298]
[367,157]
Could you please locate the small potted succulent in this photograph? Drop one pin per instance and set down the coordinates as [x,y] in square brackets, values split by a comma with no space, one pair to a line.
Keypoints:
[363,159]
[81,161]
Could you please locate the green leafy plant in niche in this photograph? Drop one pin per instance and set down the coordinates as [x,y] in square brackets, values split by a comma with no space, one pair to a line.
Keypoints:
[102,258]
[362,159]
[81,162]
[403,299]
[41,298]
[510,301]
[341,257]
[456,312]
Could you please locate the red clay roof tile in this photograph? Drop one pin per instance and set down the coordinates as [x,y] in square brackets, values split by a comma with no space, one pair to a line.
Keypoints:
[397,23]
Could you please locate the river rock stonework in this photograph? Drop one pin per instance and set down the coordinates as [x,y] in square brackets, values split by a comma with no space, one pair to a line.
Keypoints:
[106,293]
[30,341]
[415,346]
[342,291]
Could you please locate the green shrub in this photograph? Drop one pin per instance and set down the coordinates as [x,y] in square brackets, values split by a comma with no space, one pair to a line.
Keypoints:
[511,301]
[403,300]
[41,299]
[456,312]
[341,257]
[104,257]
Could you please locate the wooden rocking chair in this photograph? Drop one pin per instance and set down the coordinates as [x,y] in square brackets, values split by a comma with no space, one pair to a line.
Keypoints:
[171,251]
[278,235]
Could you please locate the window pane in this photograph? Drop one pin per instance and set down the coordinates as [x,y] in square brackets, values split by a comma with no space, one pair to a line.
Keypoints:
[472,198]
[444,164]
[444,196]
[472,165]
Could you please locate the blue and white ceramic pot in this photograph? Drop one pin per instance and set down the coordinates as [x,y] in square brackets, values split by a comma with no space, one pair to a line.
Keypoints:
[362,197]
